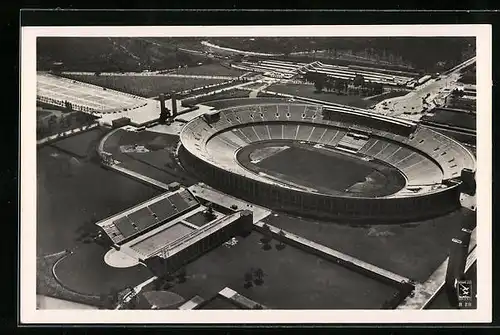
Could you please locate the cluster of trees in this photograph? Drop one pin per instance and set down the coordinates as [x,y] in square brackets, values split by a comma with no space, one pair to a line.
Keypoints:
[423,53]
[253,276]
[110,54]
[168,280]
[266,239]
[343,86]
[55,125]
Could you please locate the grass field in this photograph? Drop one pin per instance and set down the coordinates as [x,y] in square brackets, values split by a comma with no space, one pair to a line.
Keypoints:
[330,173]
[220,303]
[441,299]
[452,118]
[210,70]
[63,121]
[41,113]
[47,285]
[80,145]
[413,250]
[73,195]
[325,171]
[292,278]
[146,86]
[158,164]
[85,272]
[308,91]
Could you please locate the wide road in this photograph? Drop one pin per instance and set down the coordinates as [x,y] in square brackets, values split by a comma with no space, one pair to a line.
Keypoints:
[433,91]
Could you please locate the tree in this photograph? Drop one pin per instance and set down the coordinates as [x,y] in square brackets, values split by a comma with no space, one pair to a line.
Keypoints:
[259,275]
[110,300]
[52,122]
[457,93]
[209,213]
[339,85]
[248,277]
[378,88]
[319,83]
[281,245]
[329,84]
[181,275]
[359,80]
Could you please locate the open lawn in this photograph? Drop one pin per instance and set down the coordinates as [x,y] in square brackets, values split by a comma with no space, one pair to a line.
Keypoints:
[293,279]
[61,121]
[48,286]
[219,303]
[43,113]
[413,250]
[452,118]
[80,145]
[308,91]
[157,164]
[72,194]
[85,272]
[210,70]
[146,86]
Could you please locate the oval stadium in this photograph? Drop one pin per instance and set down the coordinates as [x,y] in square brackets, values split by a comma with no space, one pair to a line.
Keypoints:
[205,173]
[333,162]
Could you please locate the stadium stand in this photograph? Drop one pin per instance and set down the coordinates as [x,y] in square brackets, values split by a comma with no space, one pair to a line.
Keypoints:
[146,216]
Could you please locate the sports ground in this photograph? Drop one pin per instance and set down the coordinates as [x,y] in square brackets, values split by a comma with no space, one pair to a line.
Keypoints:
[326,171]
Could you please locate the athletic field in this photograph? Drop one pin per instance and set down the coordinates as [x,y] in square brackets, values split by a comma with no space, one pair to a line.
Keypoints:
[326,171]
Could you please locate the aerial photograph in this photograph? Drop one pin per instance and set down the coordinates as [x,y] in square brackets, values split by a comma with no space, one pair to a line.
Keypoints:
[281,173]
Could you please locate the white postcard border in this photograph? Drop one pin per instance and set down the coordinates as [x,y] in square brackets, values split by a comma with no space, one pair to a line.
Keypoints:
[27,303]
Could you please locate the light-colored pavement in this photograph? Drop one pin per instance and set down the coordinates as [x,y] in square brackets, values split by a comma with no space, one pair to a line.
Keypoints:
[433,91]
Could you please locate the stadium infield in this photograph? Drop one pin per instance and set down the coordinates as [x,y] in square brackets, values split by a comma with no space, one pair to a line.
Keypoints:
[293,279]
[326,171]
